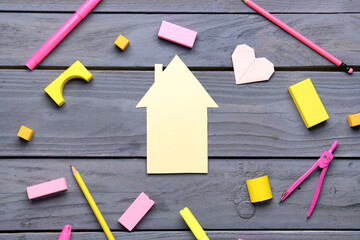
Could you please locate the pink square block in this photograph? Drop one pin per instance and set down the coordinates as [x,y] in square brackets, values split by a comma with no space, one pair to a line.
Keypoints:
[177,34]
[136,211]
[46,188]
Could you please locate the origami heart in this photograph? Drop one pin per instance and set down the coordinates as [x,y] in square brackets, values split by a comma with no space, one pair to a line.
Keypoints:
[247,68]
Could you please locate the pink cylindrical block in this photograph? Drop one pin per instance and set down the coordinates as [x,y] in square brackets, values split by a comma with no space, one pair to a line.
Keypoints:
[60,34]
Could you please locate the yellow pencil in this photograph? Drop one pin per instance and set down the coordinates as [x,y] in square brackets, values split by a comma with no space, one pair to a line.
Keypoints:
[92,204]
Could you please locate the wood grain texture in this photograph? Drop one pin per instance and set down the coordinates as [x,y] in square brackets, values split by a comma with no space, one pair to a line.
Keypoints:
[219,199]
[99,118]
[177,235]
[181,6]
[218,34]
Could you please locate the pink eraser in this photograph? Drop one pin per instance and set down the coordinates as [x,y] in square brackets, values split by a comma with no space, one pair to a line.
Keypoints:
[177,34]
[136,211]
[46,188]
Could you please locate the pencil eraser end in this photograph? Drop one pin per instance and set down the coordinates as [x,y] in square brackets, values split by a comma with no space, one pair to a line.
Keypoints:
[47,188]
[31,64]
[136,211]
[350,71]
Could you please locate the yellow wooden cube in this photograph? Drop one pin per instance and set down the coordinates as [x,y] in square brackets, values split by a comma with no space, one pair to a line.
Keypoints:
[354,120]
[25,133]
[121,42]
[308,103]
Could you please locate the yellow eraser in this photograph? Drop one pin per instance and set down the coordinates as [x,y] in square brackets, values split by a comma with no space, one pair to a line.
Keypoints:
[193,224]
[121,42]
[259,189]
[354,120]
[25,133]
[308,103]
[54,89]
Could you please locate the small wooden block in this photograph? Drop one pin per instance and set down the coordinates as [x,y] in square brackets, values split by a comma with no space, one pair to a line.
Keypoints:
[46,188]
[136,211]
[308,103]
[54,89]
[177,34]
[354,120]
[259,189]
[25,133]
[121,42]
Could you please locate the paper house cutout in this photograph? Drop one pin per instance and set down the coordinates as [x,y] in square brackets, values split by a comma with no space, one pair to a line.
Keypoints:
[176,121]
[249,69]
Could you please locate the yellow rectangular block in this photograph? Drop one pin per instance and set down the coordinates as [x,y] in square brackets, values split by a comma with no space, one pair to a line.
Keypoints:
[25,133]
[308,103]
[121,42]
[354,120]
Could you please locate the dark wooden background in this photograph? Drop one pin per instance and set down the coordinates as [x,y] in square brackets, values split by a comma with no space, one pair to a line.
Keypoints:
[256,131]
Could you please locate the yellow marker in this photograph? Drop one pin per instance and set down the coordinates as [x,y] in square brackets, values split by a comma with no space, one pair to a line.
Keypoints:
[308,103]
[92,204]
[121,42]
[259,189]
[77,70]
[193,224]
[25,133]
[177,133]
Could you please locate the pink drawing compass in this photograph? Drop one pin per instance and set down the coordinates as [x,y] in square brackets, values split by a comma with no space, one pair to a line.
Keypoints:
[323,162]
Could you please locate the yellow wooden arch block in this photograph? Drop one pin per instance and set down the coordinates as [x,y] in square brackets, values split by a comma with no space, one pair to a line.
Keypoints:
[77,70]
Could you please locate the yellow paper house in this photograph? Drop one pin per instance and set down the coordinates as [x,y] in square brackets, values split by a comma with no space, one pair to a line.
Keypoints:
[176,121]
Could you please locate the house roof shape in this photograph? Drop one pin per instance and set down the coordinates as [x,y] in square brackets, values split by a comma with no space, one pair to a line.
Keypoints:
[176,86]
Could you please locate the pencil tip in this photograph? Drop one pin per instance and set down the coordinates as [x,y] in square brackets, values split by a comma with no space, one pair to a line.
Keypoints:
[307,218]
[73,170]
[280,201]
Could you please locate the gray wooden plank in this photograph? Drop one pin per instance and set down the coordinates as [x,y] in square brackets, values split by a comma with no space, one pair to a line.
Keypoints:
[181,6]
[176,235]
[219,199]
[100,119]
[92,41]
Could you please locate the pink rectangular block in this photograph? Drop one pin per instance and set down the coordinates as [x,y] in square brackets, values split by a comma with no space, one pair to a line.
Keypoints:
[177,34]
[136,211]
[46,188]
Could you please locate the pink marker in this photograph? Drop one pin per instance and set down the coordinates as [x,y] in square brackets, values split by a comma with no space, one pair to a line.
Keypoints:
[177,34]
[136,211]
[60,34]
[300,37]
[46,188]
[65,233]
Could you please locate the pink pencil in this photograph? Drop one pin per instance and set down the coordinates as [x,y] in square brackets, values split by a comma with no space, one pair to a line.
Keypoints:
[300,37]
[60,34]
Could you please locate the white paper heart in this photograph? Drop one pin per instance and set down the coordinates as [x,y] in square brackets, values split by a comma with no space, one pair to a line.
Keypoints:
[249,69]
